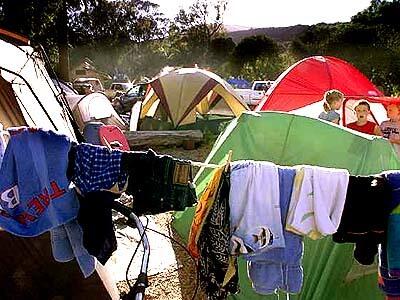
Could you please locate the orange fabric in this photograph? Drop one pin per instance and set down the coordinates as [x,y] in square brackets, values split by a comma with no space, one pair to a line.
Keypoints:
[202,210]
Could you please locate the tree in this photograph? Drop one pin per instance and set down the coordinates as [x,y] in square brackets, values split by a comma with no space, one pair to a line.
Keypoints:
[221,48]
[253,47]
[191,33]
[57,24]
[380,12]
[118,21]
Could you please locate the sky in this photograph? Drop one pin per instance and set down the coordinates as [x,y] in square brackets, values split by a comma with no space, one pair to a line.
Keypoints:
[276,13]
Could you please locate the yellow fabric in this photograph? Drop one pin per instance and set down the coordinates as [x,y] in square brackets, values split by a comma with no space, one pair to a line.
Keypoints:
[204,105]
[231,271]
[153,109]
[180,89]
[148,102]
[236,106]
[202,210]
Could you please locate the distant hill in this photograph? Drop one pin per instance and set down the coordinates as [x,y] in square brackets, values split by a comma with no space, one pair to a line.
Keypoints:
[281,34]
[231,28]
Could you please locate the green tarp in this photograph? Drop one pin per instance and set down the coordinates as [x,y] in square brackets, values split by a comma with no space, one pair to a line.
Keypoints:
[330,271]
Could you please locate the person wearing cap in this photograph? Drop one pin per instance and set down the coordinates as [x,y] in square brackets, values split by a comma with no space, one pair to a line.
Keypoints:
[362,124]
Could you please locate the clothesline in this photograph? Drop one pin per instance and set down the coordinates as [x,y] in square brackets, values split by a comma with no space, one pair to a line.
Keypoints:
[205,165]
[212,166]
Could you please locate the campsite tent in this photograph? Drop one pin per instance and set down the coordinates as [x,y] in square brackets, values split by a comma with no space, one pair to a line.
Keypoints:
[179,93]
[94,107]
[330,271]
[239,83]
[27,94]
[28,269]
[301,87]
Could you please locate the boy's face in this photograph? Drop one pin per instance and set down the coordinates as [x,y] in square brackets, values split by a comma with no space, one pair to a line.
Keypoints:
[362,112]
[393,112]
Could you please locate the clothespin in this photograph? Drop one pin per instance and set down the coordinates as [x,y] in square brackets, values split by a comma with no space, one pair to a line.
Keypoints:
[106,143]
[228,161]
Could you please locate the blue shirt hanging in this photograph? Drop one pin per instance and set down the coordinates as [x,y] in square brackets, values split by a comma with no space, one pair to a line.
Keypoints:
[34,191]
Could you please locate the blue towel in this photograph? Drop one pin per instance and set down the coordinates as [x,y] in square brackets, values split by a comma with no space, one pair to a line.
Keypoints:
[280,268]
[34,190]
[35,193]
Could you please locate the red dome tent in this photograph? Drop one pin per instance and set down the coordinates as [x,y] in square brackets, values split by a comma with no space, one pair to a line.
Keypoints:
[306,81]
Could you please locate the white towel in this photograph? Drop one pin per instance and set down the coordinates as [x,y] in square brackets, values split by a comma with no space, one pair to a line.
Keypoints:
[317,201]
[254,207]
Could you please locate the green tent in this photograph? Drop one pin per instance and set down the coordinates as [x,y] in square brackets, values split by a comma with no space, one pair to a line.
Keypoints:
[330,271]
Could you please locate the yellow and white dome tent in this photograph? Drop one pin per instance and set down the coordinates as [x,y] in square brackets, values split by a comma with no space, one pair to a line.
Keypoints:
[182,92]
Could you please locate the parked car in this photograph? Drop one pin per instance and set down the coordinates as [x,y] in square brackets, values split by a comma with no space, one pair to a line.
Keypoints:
[254,95]
[118,88]
[125,102]
[82,81]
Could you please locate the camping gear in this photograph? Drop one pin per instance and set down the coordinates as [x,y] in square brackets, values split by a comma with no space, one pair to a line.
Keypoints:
[178,94]
[300,89]
[287,139]
[306,81]
[27,94]
[239,83]
[111,135]
[95,107]
[28,97]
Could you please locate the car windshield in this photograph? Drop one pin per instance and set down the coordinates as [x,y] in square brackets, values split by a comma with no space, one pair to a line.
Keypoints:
[120,86]
[135,91]
[259,86]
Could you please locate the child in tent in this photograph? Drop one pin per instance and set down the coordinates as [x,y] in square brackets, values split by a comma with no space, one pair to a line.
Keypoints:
[391,128]
[333,100]
[362,124]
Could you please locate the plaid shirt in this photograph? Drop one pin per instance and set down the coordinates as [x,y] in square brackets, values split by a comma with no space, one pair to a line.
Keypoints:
[97,168]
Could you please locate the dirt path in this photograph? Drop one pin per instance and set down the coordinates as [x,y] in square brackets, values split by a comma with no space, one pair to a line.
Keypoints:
[176,276]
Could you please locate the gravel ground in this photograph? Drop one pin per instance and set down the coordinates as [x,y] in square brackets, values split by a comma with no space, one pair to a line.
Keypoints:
[177,282]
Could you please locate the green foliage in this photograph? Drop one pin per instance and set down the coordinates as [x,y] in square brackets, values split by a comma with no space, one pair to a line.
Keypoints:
[133,37]
[116,22]
[371,42]
[380,12]
[251,48]
[191,33]
[267,67]
[89,24]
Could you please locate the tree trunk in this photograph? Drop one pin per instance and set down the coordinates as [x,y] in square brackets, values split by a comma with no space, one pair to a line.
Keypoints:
[62,42]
